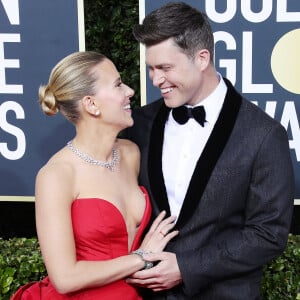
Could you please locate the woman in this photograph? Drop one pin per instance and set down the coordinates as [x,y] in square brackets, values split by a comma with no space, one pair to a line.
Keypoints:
[90,211]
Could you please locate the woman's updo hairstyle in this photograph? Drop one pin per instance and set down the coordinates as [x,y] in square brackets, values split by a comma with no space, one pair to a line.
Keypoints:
[70,80]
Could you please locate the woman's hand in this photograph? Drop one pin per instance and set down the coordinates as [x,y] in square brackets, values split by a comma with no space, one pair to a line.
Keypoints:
[159,234]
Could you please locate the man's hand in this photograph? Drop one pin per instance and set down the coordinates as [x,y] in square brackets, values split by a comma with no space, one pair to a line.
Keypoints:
[163,276]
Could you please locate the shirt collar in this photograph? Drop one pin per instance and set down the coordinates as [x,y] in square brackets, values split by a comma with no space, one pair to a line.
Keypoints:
[212,103]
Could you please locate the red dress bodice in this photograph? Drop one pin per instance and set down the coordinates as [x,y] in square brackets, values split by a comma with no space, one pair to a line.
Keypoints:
[100,234]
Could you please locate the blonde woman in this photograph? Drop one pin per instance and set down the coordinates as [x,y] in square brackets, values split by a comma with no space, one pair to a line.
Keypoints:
[90,210]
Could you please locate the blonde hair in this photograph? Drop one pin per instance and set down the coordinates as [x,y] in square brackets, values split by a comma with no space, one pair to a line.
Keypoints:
[70,80]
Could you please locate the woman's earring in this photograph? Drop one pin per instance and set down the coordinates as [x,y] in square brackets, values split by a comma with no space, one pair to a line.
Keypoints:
[97,113]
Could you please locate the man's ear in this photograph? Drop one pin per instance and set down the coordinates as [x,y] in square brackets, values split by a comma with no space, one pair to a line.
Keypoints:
[202,59]
[89,105]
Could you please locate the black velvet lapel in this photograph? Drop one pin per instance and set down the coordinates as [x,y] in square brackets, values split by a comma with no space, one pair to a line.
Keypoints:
[211,153]
[156,178]
[206,163]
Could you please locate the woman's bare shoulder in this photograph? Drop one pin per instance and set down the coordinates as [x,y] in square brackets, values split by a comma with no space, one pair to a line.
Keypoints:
[130,154]
[58,170]
[55,182]
[128,147]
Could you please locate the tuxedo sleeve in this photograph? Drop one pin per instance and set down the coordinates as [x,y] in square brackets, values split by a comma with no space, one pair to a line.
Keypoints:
[263,236]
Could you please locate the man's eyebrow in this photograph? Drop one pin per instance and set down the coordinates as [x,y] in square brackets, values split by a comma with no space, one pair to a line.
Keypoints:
[159,65]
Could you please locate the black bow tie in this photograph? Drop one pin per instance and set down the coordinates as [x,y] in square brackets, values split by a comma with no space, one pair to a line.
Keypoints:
[181,114]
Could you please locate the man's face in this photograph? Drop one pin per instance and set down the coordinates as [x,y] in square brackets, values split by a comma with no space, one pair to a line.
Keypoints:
[176,75]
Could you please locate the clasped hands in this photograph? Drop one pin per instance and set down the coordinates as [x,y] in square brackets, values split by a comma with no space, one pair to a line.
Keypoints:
[165,274]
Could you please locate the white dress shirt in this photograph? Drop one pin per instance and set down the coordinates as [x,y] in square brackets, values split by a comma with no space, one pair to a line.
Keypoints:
[183,145]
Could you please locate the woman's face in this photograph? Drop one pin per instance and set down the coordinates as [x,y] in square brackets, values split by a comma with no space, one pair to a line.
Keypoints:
[112,95]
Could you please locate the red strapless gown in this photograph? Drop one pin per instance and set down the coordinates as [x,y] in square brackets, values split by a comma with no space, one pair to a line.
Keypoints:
[100,234]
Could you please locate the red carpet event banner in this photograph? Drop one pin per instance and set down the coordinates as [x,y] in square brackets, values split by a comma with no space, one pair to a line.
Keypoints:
[34,36]
[257,47]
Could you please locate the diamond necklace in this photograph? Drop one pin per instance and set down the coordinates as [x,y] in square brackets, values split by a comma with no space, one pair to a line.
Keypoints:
[109,165]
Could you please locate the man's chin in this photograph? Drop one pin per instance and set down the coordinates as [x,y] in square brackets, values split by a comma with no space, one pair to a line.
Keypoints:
[171,103]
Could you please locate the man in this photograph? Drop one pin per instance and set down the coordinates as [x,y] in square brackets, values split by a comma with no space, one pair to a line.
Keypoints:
[228,178]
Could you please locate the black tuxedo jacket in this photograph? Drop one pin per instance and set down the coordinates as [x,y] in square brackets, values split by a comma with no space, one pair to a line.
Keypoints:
[237,210]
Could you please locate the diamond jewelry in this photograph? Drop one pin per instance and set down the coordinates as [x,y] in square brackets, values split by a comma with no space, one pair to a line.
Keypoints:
[140,252]
[109,165]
